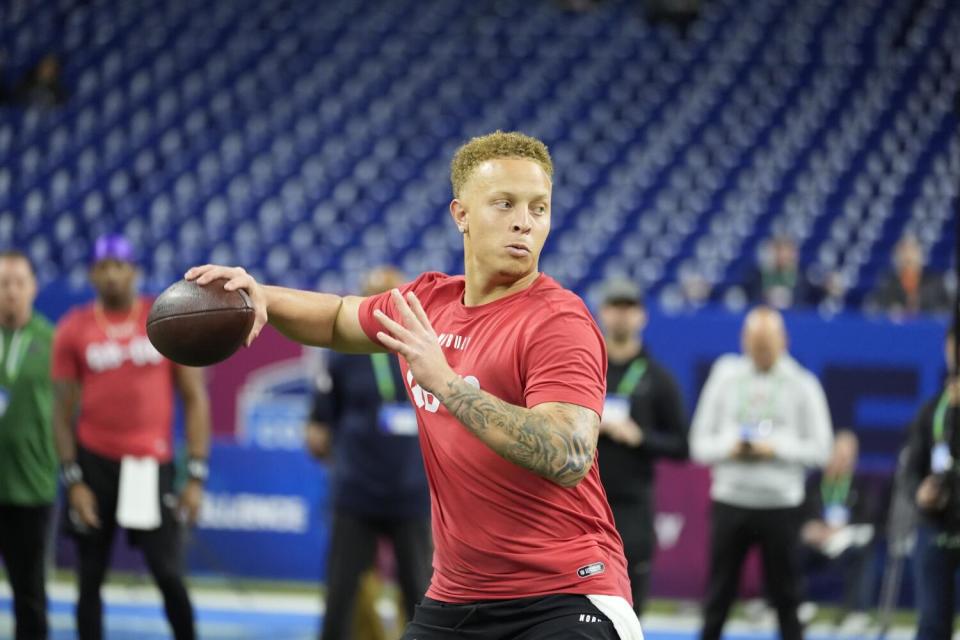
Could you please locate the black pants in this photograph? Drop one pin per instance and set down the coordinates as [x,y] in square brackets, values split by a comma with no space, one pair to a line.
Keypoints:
[635,522]
[733,531]
[855,566]
[162,548]
[23,539]
[938,563]
[352,550]
[559,617]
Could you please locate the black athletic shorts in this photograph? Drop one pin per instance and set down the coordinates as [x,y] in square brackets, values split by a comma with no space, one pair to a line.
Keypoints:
[102,475]
[558,617]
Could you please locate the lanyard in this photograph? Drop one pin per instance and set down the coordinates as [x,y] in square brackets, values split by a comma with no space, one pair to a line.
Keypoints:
[771,402]
[14,355]
[381,370]
[940,415]
[632,377]
[835,492]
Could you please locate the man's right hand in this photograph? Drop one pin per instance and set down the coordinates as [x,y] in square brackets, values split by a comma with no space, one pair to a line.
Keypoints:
[237,278]
[319,440]
[84,504]
[930,495]
[816,533]
[746,451]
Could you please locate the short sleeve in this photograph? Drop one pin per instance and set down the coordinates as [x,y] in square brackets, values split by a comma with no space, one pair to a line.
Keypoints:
[66,364]
[565,360]
[370,325]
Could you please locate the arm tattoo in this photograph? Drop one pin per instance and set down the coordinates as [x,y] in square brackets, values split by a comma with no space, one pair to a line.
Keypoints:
[557,442]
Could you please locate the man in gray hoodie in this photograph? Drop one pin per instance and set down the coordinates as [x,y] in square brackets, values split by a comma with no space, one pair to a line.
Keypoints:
[762,420]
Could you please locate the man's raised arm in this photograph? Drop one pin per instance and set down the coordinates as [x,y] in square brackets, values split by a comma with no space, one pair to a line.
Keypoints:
[307,317]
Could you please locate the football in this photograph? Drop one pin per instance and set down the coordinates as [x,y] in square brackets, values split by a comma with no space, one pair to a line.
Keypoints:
[197,325]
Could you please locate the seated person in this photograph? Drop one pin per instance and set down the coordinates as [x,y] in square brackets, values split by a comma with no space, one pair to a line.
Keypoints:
[839,528]
[910,288]
[777,281]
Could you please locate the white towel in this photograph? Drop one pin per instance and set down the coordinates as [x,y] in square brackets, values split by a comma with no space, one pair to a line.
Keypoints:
[138,506]
[621,614]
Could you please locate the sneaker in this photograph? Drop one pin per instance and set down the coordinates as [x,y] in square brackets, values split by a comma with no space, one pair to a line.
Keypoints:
[806,612]
[855,625]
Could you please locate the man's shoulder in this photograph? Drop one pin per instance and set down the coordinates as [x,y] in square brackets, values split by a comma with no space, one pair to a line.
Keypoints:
[804,375]
[75,317]
[437,285]
[659,371]
[41,326]
[730,364]
[557,298]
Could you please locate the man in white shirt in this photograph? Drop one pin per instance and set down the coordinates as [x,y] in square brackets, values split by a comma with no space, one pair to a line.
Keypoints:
[762,420]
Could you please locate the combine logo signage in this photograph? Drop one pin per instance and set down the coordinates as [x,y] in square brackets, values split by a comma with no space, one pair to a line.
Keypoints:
[254,512]
[272,406]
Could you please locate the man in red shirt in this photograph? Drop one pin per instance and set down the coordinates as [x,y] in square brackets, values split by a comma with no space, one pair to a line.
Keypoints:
[118,468]
[507,373]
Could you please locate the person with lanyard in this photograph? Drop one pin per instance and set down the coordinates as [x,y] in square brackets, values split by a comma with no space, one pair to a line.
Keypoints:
[933,476]
[761,422]
[841,519]
[363,422]
[778,280]
[28,464]
[117,464]
[643,421]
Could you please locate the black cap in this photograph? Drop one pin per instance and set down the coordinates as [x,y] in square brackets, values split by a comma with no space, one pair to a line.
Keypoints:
[620,291]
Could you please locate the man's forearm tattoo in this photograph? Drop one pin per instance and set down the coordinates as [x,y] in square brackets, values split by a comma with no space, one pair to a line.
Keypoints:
[558,445]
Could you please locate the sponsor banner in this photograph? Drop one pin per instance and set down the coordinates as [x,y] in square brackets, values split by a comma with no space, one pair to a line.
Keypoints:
[265,515]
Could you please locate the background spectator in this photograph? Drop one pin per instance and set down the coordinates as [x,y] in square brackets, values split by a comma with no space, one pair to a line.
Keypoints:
[762,420]
[909,289]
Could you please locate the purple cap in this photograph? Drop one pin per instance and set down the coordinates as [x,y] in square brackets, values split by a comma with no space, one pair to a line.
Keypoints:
[112,246]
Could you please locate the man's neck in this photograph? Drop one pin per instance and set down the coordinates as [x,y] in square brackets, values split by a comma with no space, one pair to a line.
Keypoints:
[482,289]
[15,323]
[117,306]
[623,350]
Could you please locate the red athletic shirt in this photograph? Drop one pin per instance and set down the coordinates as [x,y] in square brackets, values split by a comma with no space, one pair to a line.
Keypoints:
[501,531]
[126,405]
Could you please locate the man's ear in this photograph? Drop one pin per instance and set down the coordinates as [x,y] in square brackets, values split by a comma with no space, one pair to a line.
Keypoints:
[459,215]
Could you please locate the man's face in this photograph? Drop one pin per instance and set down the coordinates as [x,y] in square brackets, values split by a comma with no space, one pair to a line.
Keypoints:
[113,280]
[18,289]
[505,205]
[909,255]
[784,255]
[381,279]
[764,339]
[622,320]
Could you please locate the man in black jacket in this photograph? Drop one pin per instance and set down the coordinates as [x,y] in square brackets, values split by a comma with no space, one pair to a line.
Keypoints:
[643,420]
[362,420]
[933,476]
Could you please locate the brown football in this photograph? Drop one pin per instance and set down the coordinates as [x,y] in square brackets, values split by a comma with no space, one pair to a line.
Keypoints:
[199,326]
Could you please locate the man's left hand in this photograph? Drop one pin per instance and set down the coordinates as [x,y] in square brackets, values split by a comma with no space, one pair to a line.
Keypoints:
[190,499]
[416,341]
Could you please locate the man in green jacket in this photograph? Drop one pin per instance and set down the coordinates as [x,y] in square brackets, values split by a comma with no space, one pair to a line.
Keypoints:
[28,464]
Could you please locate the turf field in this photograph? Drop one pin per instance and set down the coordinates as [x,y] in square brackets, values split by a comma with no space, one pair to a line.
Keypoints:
[134,612]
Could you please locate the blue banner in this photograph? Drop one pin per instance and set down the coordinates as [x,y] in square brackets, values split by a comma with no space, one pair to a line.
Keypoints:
[265,514]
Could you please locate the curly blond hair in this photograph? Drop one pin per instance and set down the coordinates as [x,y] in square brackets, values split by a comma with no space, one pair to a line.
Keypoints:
[498,144]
